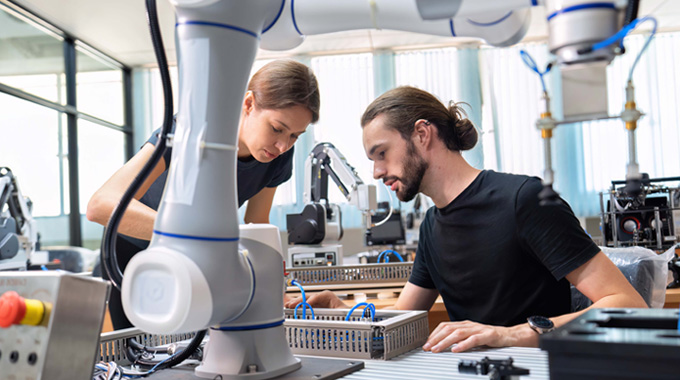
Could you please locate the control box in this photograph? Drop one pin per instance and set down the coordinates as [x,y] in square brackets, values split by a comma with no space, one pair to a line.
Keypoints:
[50,323]
[315,255]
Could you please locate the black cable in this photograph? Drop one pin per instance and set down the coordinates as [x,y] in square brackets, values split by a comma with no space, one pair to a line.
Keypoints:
[135,357]
[108,251]
[140,347]
[173,360]
[631,11]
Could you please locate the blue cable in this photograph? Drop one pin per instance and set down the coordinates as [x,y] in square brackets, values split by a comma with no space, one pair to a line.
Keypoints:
[371,309]
[618,36]
[621,34]
[644,47]
[529,61]
[387,258]
[368,306]
[296,283]
[304,303]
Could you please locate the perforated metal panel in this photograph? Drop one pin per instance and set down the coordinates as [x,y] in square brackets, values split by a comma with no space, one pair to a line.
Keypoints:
[112,344]
[392,274]
[328,334]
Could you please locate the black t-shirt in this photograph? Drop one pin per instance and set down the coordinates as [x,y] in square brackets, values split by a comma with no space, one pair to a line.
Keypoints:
[496,256]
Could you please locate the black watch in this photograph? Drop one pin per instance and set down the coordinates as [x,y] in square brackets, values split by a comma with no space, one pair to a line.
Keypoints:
[541,325]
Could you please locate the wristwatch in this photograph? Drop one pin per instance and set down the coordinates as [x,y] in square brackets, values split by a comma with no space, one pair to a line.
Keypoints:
[540,324]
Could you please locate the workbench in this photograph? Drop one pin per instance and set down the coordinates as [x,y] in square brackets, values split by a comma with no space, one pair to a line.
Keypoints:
[438,314]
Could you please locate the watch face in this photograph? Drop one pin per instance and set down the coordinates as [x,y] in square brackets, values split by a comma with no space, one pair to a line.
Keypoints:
[541,322]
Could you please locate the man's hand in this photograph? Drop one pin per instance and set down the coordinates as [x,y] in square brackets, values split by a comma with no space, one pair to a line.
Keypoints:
[325,299]
[464,336]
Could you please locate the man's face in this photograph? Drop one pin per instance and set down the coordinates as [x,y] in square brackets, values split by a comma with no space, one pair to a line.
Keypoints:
[395,160]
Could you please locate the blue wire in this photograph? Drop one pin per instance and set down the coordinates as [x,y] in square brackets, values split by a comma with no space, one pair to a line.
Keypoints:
[529,61]
[304,303]
[644,47]
[618,36]
[296,283]
[387,258]
[370,307]
[371,310]
[621,34]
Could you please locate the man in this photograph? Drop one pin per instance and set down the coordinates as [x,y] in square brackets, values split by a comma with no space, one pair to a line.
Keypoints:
[487,247]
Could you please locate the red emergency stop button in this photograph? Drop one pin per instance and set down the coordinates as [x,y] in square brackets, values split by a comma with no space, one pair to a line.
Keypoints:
[15,310]
[12,309]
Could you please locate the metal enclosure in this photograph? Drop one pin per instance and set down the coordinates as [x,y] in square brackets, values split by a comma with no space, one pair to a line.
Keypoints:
[64,346]
[392,333]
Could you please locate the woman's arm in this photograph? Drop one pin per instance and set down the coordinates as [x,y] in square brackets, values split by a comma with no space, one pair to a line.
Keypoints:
[259,206]
[138,219]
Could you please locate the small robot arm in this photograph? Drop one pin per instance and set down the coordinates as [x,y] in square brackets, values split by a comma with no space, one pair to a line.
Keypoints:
[321,221]
[18,229]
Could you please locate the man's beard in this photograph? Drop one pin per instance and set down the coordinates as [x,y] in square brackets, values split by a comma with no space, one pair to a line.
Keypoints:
[414,170]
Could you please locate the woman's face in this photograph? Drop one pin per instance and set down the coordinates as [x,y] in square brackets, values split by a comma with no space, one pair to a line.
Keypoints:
[268,133]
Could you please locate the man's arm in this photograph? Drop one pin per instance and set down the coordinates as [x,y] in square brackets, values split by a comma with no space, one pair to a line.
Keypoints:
[138,219]
[414,297]
[604,284]
[599,279]
[259,206]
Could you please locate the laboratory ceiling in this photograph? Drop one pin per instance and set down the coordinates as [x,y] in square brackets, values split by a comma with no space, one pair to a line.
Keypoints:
[119,29]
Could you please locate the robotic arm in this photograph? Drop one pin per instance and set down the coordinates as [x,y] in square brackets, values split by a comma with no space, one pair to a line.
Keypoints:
[18,229]
[320,220]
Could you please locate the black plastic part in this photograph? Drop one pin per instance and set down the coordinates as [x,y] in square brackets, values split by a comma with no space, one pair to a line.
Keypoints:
[9,241]
[308,227]
[632,344]
[674,268]
[391,232]
[497,369]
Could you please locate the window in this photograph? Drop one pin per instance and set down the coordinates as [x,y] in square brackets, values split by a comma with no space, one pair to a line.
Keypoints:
[435,71]
[99,87]
[657,94]
[31,58]
[29,145]
[511,106]
[346,87]
[37,118]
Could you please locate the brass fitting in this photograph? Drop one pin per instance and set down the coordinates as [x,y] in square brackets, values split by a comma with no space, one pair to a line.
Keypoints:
[546,133]
[631,125]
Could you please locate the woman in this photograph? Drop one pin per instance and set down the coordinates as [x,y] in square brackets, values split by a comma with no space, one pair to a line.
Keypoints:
[281,101]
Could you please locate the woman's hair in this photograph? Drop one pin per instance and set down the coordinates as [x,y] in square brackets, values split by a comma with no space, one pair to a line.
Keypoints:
[286,83]
[403,106]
